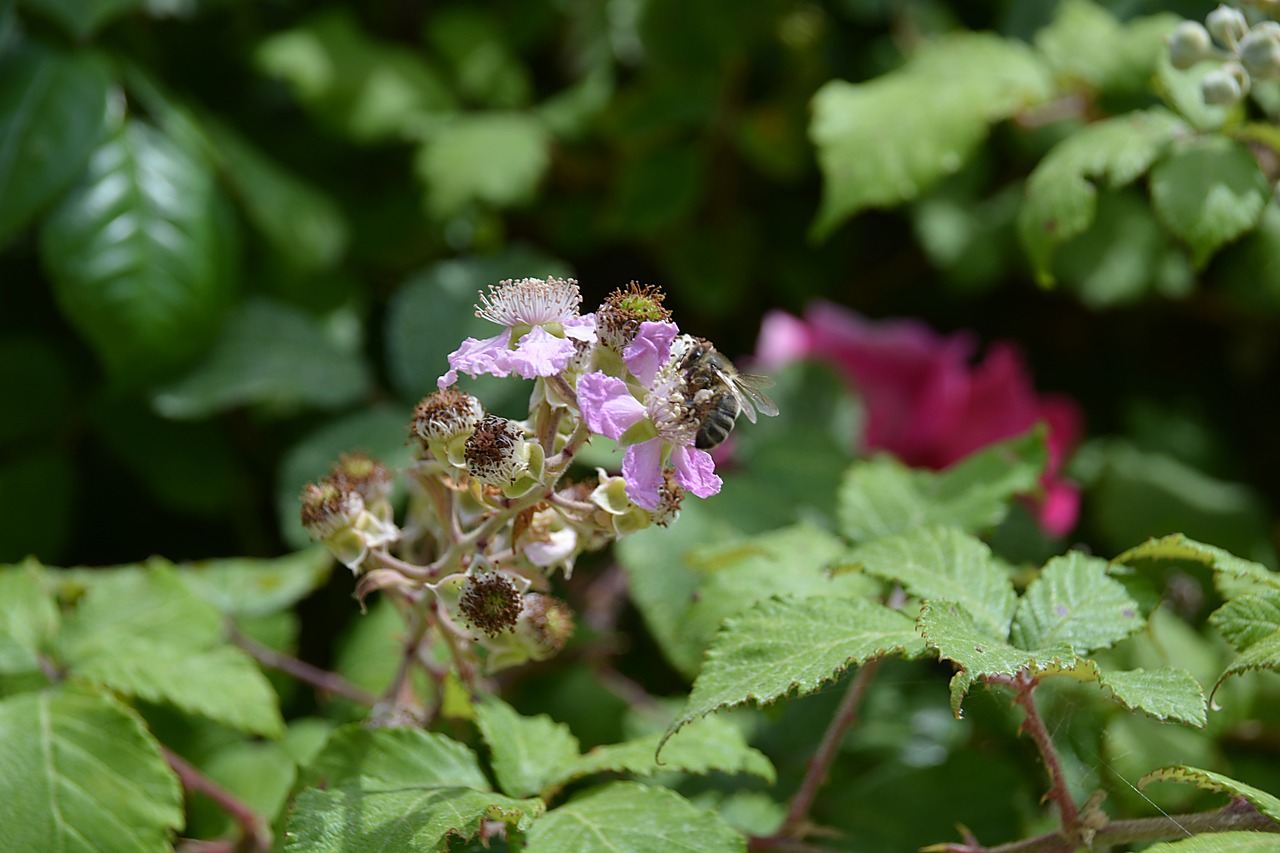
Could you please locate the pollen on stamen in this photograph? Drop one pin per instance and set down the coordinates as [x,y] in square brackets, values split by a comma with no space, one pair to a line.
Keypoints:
[530,301]
[494,452]
[619,317]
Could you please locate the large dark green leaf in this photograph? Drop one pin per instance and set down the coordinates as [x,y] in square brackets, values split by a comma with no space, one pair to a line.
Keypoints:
[53,111]
[141,253]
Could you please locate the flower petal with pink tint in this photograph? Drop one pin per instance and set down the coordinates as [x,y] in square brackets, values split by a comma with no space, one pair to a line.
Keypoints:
[539,353]
[607,406]
[649,350]
[642,471]
[475,357]
[580,328]
[695,471]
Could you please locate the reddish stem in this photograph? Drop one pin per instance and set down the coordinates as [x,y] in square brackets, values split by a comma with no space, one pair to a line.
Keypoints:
[256,837]
[321,679]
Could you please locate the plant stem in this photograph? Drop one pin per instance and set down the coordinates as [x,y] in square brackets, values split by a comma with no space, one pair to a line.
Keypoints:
[321,679]
[256,838]
[816,773]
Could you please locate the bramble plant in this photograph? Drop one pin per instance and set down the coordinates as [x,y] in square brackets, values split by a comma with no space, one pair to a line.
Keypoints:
[584,611]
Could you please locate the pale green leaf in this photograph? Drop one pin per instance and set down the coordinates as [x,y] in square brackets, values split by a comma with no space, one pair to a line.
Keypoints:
[945,563]
[395,757]
[243,586]
[1227,567]
[778,646]
[82,18]
[527,752]
[1267,804]
[1168,693]
[881,496]
[1182,91]
[28,619]
[79,773]
[886,141]
[1061,192]
[1208,191]
[1221,842]
[627,817]
[1073,601]
[141,252]
[1263,654]
[702,746]
[53,112]
[1087,44]
[1248,619]
[273,355]
[495,159]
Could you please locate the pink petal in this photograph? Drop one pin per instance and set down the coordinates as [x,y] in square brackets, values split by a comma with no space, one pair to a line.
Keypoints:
[642,470]
[695,471]
[581,328]
[607,406]
[783,339]
[1059,509]
[649,350]
[476,357]
[539,353]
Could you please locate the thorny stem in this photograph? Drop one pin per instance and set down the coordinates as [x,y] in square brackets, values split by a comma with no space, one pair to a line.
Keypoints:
[256,837]
[1166,827]
[816,773]
[321,679]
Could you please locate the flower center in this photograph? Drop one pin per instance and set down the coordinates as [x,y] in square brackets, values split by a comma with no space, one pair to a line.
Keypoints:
[530,302]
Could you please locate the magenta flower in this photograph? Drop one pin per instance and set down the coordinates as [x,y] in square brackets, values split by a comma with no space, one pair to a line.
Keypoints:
[926,401]
[657,429]
[541,323]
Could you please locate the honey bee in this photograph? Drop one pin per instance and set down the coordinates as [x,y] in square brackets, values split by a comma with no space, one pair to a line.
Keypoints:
[719,393]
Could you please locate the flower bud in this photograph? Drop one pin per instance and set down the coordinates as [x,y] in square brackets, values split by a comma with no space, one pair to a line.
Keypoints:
[544,626]
[1189,44]
[1224,86]
[619,318]
[328,507]
[369,478]
[443,420]
[1260,51]
[490,602]
[1227,25]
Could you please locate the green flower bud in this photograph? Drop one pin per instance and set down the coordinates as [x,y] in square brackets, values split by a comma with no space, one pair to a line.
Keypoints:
[1260,51]
[1189,44]
[1227,25]
[1223,87]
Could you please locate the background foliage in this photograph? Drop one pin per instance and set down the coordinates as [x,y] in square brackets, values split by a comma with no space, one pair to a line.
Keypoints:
[237,238]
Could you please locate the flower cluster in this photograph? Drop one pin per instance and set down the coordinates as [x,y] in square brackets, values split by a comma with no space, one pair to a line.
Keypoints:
[926,400]
[1245,54]
[492,512]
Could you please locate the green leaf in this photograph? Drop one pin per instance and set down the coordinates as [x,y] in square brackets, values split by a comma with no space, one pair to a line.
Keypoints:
[273,355]
[259,773]
[1248,619]
[1073,601]
[243,586]
[881,496]
[1168,693]
[28,621]
[495,159]
[1086,43]
[53,112]
[79,773]
[1227,567]
[1264,654]
[143,633]
[369,89]
[82,18]
[1208,191]
[777,646]
[141,253]
[395,789]
[945,563]
[886,141]
[1265,803]
[1182,91]
[1061,192]
[627,817]
[702,746]
[1221,842]
[528,752]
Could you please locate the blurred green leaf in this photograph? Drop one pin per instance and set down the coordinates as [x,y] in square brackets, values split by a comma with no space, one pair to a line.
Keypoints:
[34,371]
[271,355]
[1221,842]
[484,68]
[79,771]
[1250,270]
[37,496]
[367,88]
[260,774]
[491,158]
[659,188]
[1060,195]
[1208,192]
[54,111]
[141,253]
[28,621]
[1087,43]
[1182,93]
[243,586]
[887,141]
[82,18]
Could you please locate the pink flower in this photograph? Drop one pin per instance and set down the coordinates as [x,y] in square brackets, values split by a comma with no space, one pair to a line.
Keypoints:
[927,402]
[541,323]
[657,427]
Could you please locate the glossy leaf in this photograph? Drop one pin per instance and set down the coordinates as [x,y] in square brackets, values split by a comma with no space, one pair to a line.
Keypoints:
[141,253]
[53,112]
[626,817]
[1073,601]
[80,773]
[887,141]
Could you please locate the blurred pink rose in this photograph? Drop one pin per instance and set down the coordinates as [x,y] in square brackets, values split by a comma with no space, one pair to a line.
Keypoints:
[927,402]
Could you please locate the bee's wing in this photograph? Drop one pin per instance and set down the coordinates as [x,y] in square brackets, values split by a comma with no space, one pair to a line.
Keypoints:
[749,385]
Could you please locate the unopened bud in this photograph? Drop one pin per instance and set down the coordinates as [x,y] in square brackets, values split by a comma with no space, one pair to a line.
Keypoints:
[328,507]
[369,477]
[1189,44]
[545,624]
[1227,25]
[1260,51]
[1224,86]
